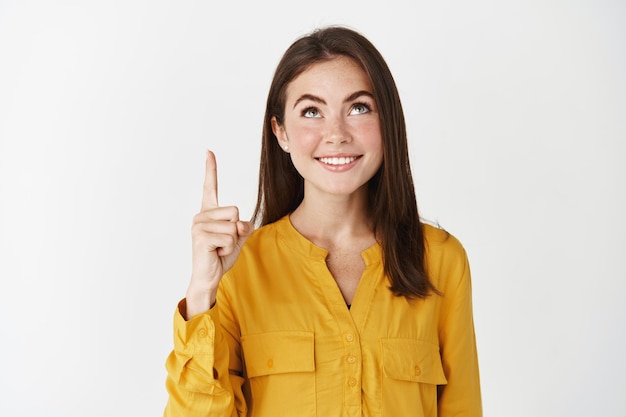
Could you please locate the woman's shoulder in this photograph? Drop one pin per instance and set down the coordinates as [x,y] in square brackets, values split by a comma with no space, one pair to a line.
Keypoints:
[446,259]
[267,232]
[441,242]
[259,249]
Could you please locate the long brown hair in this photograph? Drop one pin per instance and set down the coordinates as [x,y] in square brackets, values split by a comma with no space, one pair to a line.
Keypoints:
[391,196]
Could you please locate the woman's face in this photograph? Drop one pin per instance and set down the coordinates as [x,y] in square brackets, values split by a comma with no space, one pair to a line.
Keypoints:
[332,128]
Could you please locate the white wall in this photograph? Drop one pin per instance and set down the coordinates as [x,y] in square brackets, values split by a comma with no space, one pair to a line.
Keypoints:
[517,119]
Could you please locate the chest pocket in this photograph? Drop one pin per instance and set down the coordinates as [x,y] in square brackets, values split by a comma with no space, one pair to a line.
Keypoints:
[412,370]
[280,367]
[278,353]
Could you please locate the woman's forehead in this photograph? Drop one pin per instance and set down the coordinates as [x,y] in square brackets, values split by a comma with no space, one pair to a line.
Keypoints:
[337,75]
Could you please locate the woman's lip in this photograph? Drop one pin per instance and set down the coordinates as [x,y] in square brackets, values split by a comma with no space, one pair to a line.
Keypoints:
[338,163]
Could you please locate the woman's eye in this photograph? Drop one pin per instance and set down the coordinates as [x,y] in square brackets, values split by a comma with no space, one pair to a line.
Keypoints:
[360,108]
[310,112]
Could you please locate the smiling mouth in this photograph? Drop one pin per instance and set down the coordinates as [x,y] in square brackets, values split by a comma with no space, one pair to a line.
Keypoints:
[341,160]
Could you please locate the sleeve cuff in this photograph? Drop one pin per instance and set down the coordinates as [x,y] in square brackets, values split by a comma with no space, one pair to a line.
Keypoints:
[197,333]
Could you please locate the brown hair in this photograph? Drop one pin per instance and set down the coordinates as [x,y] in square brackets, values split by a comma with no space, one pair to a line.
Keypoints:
[391,196]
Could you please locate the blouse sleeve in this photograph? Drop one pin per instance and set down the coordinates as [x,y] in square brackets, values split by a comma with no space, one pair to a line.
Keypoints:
[461,396]
[198,382]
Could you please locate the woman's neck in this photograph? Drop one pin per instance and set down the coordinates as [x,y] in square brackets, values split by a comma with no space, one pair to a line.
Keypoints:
[334,220]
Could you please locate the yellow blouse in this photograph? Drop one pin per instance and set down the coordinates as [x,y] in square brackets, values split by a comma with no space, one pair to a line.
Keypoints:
[281,341]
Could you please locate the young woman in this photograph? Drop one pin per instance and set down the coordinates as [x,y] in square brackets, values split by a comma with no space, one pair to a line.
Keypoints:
[342,303]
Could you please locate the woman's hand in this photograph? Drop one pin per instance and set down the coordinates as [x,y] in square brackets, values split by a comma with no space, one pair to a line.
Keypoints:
[217,237]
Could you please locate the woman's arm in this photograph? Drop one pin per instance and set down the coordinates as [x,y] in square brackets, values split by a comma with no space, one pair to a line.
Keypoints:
[461,396]
[198,378]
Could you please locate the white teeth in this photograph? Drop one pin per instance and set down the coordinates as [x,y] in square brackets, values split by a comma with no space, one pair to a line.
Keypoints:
[338,161]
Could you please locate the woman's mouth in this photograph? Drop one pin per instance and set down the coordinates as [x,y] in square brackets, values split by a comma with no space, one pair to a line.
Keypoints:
[338,160]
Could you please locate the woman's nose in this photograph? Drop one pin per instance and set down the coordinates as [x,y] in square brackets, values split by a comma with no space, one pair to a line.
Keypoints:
[338,132]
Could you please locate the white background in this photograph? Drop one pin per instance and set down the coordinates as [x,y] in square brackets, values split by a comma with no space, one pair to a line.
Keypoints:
[516,115]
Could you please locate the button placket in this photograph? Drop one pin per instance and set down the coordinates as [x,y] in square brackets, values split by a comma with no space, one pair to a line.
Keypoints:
[351,359]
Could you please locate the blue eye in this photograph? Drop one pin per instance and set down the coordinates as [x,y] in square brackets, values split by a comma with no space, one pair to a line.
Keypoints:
[310,112]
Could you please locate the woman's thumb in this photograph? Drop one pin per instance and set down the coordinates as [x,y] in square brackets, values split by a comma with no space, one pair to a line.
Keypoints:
[244,229]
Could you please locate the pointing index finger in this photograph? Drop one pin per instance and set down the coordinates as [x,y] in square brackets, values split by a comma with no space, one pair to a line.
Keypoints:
[209,194]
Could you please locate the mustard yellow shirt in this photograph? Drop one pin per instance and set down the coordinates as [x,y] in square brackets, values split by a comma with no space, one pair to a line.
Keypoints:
[281,341]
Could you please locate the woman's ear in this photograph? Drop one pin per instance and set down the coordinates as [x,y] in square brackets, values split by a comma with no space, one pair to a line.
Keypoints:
[281,135]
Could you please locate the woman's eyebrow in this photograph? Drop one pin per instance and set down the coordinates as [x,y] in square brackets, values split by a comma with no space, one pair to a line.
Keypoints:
[320,100]
[309,97]
[358,94]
